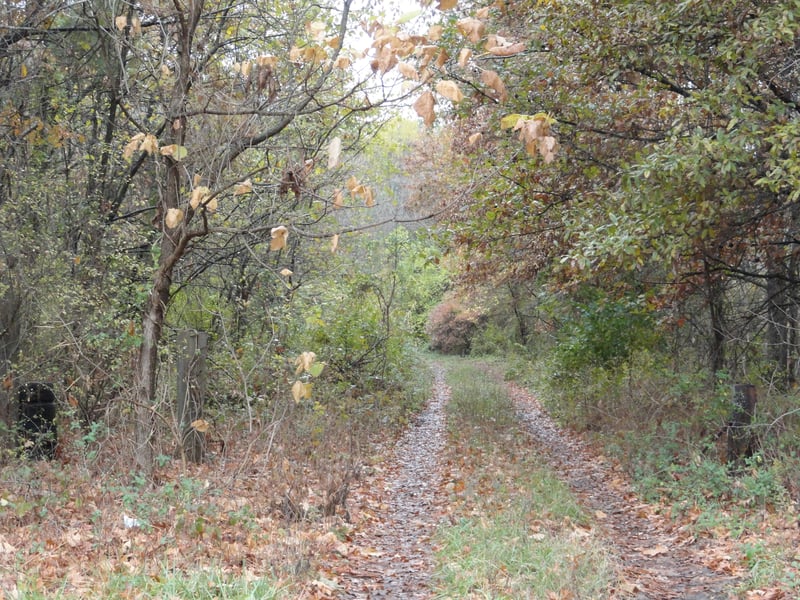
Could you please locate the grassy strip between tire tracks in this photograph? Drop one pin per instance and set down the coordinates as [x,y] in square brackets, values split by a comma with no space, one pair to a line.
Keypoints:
[514,530]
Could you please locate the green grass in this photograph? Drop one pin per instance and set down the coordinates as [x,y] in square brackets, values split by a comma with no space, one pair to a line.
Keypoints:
[200,585]
[517,531]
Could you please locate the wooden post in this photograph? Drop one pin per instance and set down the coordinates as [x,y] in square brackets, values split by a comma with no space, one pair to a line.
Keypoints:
[192,349]
[740,436]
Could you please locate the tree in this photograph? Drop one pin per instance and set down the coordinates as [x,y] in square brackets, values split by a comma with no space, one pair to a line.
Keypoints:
[675,175]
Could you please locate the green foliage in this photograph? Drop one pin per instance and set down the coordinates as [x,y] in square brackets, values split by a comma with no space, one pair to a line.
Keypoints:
[363,322]
[603,333]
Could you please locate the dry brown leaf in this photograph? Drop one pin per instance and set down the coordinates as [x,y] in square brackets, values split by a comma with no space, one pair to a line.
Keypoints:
[199,195]
[655,550]
[243,187]
[338,199]
[507,49]
[492,79]
[334,152]
[279,235]
[450,90]
[173,218]
[424,108]
[435,33]
[471,28]
[408,71]
[463,57]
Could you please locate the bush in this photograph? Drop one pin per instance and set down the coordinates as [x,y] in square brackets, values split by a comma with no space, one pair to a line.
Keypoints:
[452,327]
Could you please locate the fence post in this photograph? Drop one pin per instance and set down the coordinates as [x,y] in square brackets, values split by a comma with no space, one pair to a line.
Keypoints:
[192,349]
[740,435]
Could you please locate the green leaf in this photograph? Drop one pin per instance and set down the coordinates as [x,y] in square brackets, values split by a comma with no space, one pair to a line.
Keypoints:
[316,369]
[510,121]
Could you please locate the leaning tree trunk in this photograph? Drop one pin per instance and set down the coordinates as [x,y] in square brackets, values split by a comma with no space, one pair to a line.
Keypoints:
[146,370]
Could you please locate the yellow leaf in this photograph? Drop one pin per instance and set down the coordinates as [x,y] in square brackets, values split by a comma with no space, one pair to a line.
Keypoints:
[286,272]
[175,151]
[23,70]
[199,195]
[200,425]
[510,121]
[173,218]
[334,153]
[450,90]
[334,243]
[243,187]
[424,107]
[278,235]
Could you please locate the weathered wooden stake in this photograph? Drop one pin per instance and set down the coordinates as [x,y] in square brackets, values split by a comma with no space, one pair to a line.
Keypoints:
[192,347]
[740,435]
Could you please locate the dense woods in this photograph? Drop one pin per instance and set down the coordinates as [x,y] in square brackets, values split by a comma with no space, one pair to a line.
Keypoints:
[663,229]
[606,195]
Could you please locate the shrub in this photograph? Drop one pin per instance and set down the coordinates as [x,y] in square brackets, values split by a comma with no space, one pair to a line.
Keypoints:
[451,327]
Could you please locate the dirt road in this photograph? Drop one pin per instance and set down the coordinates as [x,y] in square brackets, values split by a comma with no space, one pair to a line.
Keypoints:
[391,550]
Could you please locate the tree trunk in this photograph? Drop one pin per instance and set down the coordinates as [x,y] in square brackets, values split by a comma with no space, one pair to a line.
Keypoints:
[147,367]
[715,298]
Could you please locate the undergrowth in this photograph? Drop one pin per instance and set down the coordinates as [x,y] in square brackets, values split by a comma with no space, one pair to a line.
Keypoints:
[667,429]
[250,522]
